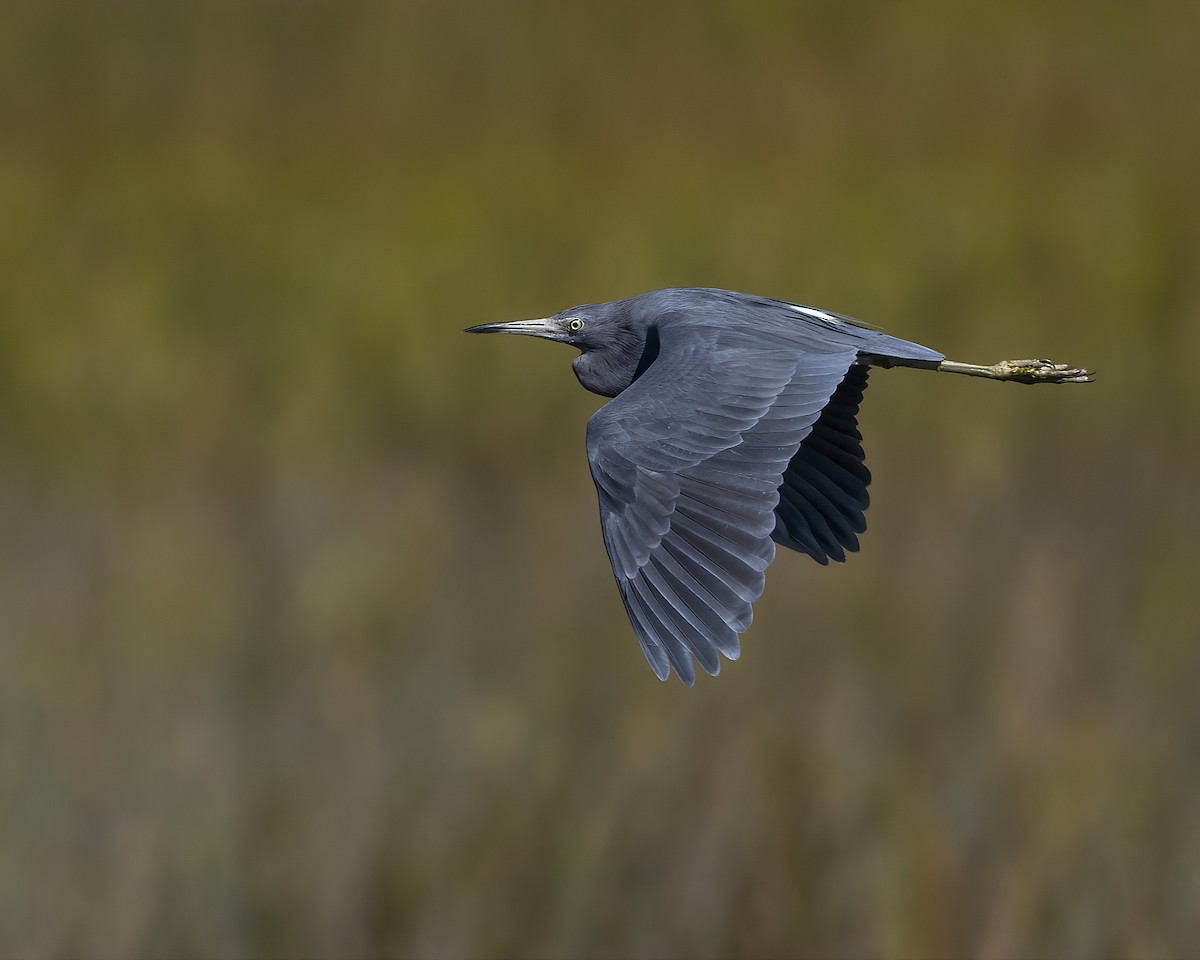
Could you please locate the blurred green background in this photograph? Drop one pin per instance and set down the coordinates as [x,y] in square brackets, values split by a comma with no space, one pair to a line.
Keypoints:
[309,644]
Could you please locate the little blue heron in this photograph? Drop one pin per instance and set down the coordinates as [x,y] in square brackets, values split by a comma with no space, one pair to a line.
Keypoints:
[734,428]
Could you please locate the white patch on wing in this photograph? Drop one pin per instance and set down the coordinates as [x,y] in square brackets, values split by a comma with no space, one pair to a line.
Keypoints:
[813,312]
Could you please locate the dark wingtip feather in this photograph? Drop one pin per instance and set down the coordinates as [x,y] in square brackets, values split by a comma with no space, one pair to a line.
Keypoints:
[824,491]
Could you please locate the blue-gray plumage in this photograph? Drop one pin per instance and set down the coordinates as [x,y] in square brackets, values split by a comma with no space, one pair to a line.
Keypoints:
[733,428]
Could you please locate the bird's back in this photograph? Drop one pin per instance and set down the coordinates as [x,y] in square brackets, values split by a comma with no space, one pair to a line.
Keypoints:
[729,315]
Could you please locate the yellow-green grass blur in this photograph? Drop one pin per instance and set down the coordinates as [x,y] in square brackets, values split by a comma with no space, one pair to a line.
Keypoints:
[308,643]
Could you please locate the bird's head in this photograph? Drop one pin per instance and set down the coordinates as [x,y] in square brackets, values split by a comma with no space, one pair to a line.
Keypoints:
[616,343]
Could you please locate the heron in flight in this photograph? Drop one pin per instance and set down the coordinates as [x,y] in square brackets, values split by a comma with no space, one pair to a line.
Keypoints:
[733,428]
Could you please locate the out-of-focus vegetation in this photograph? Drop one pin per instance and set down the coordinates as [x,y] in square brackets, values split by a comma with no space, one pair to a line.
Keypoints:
[309,643]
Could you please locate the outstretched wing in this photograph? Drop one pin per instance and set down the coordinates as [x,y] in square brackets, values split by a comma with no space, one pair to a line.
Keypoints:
[688,462]
[824,496]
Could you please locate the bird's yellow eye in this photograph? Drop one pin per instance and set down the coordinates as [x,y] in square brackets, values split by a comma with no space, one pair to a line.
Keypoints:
[575,325]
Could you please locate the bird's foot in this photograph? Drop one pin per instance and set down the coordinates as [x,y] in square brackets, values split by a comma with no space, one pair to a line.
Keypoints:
[1040,371]
[1020,371]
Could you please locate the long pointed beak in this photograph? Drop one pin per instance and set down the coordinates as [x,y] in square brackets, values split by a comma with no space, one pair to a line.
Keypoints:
[546,328]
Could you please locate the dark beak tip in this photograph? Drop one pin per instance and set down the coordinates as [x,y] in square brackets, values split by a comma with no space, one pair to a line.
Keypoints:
[530,328]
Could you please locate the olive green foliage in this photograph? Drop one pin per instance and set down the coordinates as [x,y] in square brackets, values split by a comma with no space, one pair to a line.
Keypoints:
[309,643]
